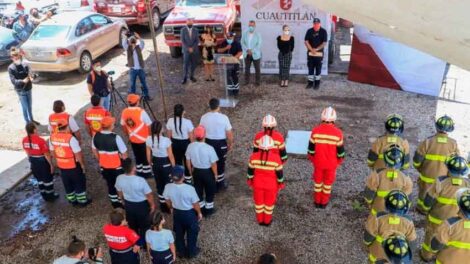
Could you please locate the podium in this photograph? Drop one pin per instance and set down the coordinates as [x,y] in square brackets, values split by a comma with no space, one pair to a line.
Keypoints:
[223,63]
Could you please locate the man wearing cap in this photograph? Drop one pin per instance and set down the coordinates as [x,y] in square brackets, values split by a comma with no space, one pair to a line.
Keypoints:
[190,43]
[231,46]
[136,124]
[69,158]
[315,40]
[183,202]
[220,136]
[201,161]
[109,149]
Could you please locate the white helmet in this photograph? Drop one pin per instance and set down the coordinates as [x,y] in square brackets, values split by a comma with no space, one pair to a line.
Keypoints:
[328,114]
[269,121]
[266,143]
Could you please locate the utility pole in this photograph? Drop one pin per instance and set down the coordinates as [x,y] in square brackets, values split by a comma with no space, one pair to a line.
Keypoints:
[157,58]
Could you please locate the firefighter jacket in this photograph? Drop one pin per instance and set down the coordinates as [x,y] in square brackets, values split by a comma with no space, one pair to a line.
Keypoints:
[265,170]
[326,148]
[108,150]
[63,152]
[136,128]
[55,117]
[375,159]
[451,241]
[440,201]
[379,184]
[431,154]
[93,117]
[279,142]
[381,226]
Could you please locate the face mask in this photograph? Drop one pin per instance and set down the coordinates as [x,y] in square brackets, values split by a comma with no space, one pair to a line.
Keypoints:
[286,32]
[251,29]
[316,27]
[229,41]
[98,68]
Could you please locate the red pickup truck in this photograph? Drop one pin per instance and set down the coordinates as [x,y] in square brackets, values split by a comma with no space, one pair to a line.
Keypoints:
[221,15]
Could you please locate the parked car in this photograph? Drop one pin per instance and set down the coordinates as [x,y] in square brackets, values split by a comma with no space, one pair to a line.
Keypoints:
[134,12]
[76,5]
[7,40]
[221,15]
[71,40]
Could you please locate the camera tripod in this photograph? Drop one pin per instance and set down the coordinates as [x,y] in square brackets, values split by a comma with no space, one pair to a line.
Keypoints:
[146,105]
[114,95]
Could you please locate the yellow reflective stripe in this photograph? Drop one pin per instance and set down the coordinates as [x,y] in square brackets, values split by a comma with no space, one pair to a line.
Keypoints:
[448,201]
[324,141]
[263,167]
[270,208]
[339,143]
[392,174]
[323,136]
[435,157]
[427,179]
[370,162]
[259,211]
[257,162]
[416,164]
[458,244]
[394,220]
[434,220]
[268,212]
[381,156]
[382,193]
[427,248]
[372,258]
[373,212]
[326,191]
[438,262]
[379,239]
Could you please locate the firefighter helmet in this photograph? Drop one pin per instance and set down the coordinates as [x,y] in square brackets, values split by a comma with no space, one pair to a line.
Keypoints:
[269,121]
[397,202]
[328,114]
[457,166]
[397,249]
[394,157]
[445,124]
[463,199]
[266,143]
[394,124]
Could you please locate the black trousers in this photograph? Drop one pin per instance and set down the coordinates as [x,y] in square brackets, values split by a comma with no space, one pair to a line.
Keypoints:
[257,63]
[314,68]
[110,176]
[41,170]
[128,257]
[204,183]
[220,147]
[185,223]
[179,147]
[162,174]
[74,184]
[141,162]
[233,82]
[161,257]
[138,218]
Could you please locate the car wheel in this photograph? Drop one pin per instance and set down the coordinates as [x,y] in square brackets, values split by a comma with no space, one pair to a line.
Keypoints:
[157,19]
[122,34]
[85,62]
[175,52]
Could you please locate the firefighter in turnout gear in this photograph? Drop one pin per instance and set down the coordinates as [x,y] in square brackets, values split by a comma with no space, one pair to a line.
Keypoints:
[431,155]
[451,243]
[110,150]
[394,126]
[265,176]
[269,123]
[94,115]
[136,124]
[381,182]
[398,251]
[440,201]
[326,152]
[387,224]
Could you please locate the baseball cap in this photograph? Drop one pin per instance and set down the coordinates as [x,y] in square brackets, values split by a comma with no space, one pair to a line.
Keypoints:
[177,173]
[199,132]
[133,98]
[107,121]
[316,20]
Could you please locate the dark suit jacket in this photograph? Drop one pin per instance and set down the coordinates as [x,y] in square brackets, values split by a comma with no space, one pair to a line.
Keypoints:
[189,42]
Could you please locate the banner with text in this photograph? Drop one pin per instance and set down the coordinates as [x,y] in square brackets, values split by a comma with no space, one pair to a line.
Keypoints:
[270,16]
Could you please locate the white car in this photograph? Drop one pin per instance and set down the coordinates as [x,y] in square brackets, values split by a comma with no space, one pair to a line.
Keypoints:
[76,5]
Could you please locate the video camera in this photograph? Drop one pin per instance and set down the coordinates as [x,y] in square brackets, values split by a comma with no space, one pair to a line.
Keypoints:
[130,34]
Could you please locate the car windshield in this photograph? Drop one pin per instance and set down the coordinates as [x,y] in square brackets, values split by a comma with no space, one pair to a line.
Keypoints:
[50,32]
[202,2]
[6,34]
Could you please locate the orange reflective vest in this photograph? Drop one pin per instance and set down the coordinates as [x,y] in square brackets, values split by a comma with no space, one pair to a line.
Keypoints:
[108,150]
[137,130]
[55,117]
[63,151]
[93,117]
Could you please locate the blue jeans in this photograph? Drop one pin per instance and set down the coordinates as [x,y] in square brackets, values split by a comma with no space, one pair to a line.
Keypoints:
[26,101]
[105,101]
[133,73]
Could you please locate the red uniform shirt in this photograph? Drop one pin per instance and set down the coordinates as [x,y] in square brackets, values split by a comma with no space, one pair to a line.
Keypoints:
[119,237]
[37,147]
[265,170]
[327,142]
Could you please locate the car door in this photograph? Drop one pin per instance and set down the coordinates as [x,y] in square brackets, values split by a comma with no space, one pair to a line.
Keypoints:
[105,28]
[86,37]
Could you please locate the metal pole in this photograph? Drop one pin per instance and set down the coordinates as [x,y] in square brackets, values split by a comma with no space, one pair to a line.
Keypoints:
[157,59]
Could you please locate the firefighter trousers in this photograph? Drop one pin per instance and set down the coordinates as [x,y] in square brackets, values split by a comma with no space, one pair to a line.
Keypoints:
[74,184]
[323,179]
[423,188]
[264,199]
[110,176]
[221,149]
[138,219]
[124,256]
[41,170]
[204,183]
[179,147]
[141,163]
[162,174]
[426,251]
[185,223]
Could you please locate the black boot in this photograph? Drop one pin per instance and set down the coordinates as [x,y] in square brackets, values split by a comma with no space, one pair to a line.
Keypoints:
[317,85]
[309,85]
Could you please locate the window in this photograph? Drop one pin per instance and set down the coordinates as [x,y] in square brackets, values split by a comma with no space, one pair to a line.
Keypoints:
[85,26]
[99,21]
[202,3]
[50,32]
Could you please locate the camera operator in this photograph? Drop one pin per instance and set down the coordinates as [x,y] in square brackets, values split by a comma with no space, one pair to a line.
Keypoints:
[21,78]
[134,46]
[99,84]
[76,254]
[35,18]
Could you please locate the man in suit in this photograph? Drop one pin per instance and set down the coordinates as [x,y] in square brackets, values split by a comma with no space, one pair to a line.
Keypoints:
[190,43]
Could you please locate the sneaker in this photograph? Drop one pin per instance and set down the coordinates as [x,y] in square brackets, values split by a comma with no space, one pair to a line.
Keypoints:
[195,254]
[309,85]
[193,79]
[85,204]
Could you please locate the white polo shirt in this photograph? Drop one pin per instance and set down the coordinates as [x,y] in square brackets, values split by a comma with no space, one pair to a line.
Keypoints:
[216,125]
[133,188]
[186,128]
[182,196]
[201,155]
[159,147]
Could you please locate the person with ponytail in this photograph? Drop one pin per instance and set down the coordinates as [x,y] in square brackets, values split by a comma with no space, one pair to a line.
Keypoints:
[41,165]
[269,125]
[160,157]
[180,130]
[160,242]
